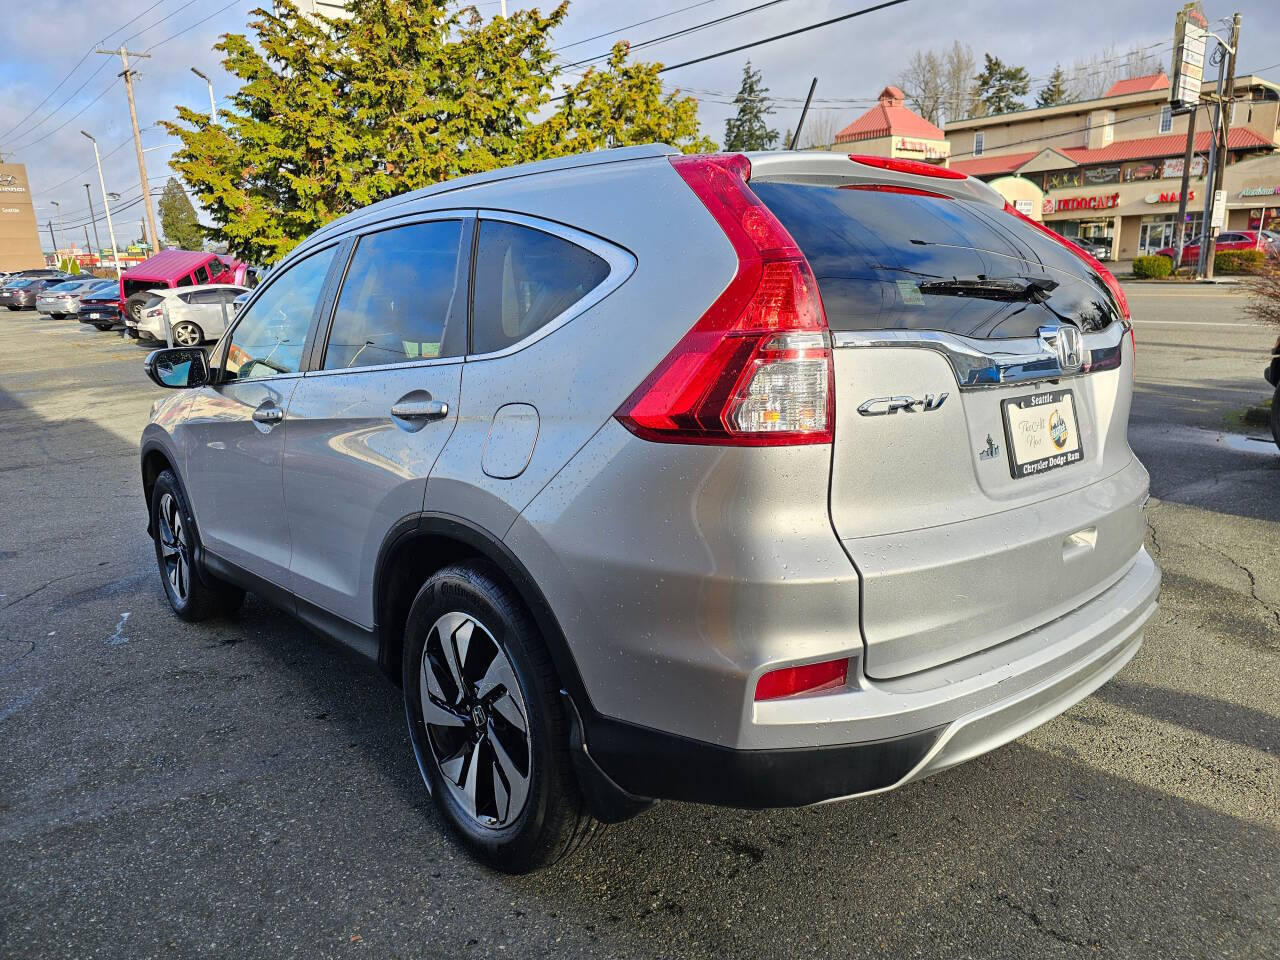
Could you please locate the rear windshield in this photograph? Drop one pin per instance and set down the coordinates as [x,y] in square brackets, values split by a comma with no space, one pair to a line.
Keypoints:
[887,259]
[138,286]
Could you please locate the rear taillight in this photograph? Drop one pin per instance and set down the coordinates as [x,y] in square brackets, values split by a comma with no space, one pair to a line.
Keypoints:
[810,678]
[1107,276]
[756,368]
[917,167]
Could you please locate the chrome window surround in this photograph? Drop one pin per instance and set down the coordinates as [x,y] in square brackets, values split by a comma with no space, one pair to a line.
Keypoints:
[622,263]
[980,364]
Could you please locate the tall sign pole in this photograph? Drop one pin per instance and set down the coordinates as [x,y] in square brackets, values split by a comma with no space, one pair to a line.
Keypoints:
[1190,35]
[106,203]
[137,138]
[97,244]
[1219,199]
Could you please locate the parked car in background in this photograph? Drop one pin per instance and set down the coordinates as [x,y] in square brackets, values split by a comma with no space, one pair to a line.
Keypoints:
[240,301]
[101,307]
[664,476]
[63,299]
[174,269]
[193,314]
[21,294]
[1099,248]
[1227,240]
[42,273]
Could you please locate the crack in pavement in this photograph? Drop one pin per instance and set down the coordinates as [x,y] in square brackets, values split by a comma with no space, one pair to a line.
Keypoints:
[1253,583]
[1155,537]
[1038,922]
[32,593]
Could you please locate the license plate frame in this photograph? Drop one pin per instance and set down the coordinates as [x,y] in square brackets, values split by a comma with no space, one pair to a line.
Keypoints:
[1042,432]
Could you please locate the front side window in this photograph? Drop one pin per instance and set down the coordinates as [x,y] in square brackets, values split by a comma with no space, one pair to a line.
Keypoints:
[202,275]
[524,279]
[269,338]
[397,298]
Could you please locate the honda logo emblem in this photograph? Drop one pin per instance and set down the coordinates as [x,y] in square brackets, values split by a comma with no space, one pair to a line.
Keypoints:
[1068,343]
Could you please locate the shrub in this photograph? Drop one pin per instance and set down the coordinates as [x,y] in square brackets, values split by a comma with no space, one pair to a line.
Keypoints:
[1237,261]
[1155,268]
[1263,287]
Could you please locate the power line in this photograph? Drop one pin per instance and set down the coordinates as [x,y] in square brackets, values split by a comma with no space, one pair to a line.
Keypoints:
[629,26]
[196,24]
[783,36]
[105,90]
[75,68]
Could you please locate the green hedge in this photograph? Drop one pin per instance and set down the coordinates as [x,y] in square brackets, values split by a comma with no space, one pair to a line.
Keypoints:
[1155,268]
[1237,261]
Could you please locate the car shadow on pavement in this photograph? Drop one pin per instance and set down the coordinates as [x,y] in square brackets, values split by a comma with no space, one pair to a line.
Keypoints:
[1207,715]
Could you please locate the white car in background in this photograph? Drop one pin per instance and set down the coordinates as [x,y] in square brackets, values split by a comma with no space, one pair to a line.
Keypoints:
[194,314]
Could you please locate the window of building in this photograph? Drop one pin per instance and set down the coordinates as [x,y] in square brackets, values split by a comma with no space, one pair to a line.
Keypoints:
[977,143]
[1108,127]
[1166,118]
[397,299]
[524,279]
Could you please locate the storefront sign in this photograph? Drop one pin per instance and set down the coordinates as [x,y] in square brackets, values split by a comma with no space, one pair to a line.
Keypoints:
[1259,191]
[1219,209]
[919,146]
[1102,202]
[1141,171]
[1062,178]
[1173,167]
[1101,175]
[9,184]
[1169,196]
[1190,36]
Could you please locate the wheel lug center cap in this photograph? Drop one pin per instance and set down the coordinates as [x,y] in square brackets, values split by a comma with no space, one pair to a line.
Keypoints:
[478,716]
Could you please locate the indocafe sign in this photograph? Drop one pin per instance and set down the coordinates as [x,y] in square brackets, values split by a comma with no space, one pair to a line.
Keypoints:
[19,239]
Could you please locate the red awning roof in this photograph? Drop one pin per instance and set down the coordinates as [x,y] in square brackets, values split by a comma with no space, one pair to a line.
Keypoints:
[1153,81]
[1144,148]
[889,118]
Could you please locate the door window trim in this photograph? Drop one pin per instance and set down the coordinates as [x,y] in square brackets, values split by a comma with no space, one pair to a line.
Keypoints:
[279,271]
[314,362]
[622,264]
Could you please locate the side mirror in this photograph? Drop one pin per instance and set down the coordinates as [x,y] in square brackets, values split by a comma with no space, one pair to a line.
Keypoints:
[178,368]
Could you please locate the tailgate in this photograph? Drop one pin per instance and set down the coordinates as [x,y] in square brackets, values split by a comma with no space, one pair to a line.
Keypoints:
[982,481]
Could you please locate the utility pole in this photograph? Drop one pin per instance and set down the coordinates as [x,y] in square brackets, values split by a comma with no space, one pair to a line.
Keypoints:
[86,243]
[52,239]
[106,203]
[1180,235]
[97,244]
[137,135]
[504,9]
[1226,99]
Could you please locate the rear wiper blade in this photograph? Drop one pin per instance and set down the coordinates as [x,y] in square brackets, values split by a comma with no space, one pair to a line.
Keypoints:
[1034,289]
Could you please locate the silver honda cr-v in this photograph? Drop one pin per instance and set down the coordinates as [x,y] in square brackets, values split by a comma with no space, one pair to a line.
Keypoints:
[755,480]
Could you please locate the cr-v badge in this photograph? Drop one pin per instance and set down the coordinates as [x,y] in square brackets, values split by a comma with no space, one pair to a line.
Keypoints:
[879,406]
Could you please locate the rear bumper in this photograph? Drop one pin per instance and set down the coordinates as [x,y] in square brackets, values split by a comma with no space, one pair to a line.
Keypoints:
[910,727]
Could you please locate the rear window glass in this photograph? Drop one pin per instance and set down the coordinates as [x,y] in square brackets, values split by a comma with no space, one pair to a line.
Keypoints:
[139,286]
[887,259]
[524,279]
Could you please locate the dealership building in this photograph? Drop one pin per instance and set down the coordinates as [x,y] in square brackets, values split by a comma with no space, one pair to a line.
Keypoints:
[1110,169]
[19,239]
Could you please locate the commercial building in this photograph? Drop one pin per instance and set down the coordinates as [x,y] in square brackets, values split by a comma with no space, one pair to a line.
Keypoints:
[19,236]
[1110,169]
[891,129]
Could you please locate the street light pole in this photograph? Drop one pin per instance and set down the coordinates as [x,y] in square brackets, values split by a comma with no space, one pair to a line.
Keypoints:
[61,229]
[97,244]
[213,108]
[111,231]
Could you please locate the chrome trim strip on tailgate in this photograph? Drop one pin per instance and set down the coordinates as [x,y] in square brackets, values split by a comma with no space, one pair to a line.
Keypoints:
[980,363]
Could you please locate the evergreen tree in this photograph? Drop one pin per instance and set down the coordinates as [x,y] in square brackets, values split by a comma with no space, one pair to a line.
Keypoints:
[999,86]
[178,218]
[620,106]
[1055,91]
[332,115]
[748,130]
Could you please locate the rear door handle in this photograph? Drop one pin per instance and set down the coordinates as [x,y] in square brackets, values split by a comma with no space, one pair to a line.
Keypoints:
[420,410]
[268,413]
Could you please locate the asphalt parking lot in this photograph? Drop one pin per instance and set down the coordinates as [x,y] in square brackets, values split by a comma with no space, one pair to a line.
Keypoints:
[241,789]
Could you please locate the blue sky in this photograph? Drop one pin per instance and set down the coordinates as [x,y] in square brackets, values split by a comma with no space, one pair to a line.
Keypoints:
[53,41]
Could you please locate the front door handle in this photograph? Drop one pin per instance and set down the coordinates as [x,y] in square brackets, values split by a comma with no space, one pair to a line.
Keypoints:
[420,410]
[268,413]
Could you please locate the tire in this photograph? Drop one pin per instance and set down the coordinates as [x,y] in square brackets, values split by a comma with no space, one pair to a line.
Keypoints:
[187,334]
[1275,417]
[57,316]
[133,305]
[104,326]
[14,308]
[471,762]
[193,596]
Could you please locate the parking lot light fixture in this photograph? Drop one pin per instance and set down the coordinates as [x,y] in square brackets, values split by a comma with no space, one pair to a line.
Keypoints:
[106,203]
[213,109]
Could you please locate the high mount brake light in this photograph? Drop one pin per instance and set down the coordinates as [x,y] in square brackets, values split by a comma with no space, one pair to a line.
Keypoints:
[1107,276]
[756,369]
[810,678]
[908,166]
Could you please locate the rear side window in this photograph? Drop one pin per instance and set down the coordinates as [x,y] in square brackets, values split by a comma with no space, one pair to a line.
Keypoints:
[524,279]
[889,259]
[183,282]
[202,275]
[397,298]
